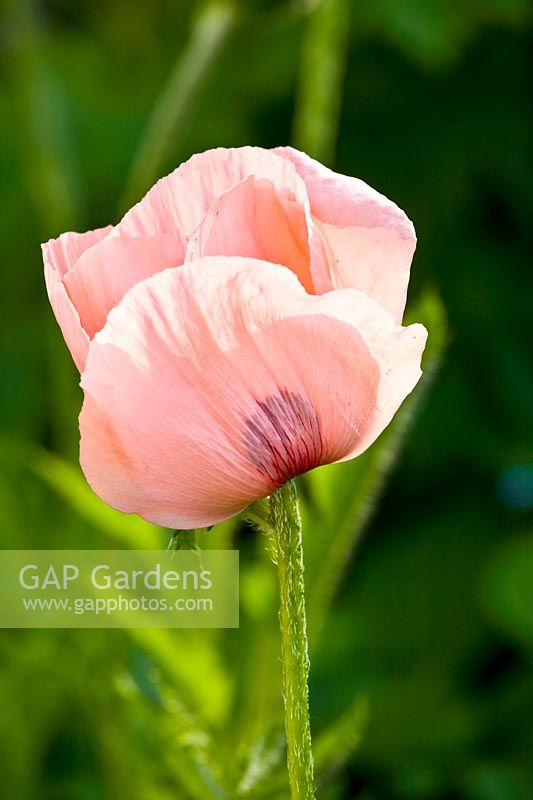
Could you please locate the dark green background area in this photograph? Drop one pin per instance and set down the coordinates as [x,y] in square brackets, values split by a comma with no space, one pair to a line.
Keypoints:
[433,623]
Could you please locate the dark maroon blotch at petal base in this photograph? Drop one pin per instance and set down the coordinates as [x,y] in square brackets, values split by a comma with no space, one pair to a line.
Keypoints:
[283,438]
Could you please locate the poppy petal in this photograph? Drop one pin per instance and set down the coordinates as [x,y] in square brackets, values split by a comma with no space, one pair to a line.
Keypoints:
[59,256]
[179,202]
[253,220]
[103,274]
[369,240]
[212,384]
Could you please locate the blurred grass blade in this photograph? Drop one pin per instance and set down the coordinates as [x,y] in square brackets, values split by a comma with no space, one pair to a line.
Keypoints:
[210,31]
[335,746]
[322,70]
[49,164]
[343,496]
[68,482]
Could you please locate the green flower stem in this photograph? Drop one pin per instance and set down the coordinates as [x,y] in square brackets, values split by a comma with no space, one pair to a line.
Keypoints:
[288,555]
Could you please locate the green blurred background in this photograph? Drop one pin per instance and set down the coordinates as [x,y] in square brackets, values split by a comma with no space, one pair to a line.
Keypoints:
[422,629]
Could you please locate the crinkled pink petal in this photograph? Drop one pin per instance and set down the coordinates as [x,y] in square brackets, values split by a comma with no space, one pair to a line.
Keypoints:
[396,349]
[178,203]
[59,256]
[374,260]
[253,220]
[62,253]
[67,317]
[212,384]
[103,274]
[369,240]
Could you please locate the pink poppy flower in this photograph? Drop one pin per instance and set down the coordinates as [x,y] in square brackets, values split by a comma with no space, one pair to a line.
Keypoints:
[239,326]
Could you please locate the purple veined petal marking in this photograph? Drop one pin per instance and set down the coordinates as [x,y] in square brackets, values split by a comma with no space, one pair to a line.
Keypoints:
[283,438]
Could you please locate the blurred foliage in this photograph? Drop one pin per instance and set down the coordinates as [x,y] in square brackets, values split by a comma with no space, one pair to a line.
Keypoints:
[422,645]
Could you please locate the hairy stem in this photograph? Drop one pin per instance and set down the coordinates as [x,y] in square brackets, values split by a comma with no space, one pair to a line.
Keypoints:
[288,555]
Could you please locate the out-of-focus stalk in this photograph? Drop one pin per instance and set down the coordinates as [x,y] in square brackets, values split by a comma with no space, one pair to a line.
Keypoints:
[319,94]
[210,31]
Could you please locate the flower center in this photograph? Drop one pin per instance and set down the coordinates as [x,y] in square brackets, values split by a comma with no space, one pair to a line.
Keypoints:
[283,438]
